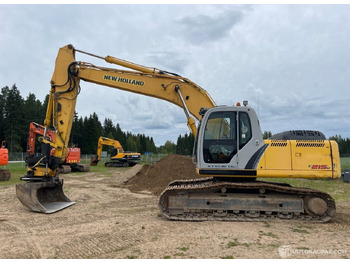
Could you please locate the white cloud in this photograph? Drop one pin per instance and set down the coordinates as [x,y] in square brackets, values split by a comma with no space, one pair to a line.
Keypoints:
[290,61]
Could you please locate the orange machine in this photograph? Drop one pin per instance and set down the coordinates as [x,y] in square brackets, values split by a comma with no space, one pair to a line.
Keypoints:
[72,160]
[4,159]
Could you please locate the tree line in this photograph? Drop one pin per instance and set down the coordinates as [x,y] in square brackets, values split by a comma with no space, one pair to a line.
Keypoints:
[343,143]
[16,113]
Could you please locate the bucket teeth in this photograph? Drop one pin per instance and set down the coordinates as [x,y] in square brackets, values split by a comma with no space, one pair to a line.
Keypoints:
[44,197]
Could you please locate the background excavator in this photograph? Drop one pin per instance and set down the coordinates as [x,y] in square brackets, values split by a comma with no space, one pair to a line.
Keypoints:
[72,159]
[5,174]
[229,147]
[119,158]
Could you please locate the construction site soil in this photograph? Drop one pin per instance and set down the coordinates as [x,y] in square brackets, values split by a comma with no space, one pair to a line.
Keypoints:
[116,216]
[155,178]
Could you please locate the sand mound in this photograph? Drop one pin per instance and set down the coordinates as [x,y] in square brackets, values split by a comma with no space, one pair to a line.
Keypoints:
[155,178]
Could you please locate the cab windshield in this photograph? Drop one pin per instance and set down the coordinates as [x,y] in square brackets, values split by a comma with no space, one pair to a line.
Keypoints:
[220,137]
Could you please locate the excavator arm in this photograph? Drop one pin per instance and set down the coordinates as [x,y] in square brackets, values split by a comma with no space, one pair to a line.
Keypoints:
[34,129]
[65,87]
[101,142]
[229,147]
[119,158]
[143,80]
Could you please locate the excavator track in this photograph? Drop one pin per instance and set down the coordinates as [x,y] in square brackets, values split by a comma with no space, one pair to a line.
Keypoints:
[120,164]
[209,199]
[80,168]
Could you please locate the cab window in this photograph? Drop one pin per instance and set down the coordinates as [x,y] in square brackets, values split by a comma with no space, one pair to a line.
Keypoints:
[220,137]
[245,130]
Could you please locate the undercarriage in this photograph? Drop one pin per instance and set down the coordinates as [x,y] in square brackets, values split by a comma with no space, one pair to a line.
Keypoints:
[120,164]
[210,199]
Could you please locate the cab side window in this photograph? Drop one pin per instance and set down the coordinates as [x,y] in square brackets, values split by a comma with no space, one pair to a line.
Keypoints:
[245,129]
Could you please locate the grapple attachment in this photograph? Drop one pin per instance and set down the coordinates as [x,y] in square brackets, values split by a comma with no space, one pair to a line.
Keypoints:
[94,160]
[44,197]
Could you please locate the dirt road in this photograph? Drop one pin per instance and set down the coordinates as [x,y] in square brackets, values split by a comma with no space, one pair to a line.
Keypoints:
[110,221]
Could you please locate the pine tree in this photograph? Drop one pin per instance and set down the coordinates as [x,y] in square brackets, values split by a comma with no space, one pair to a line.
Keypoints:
[3,97]
[120,135]
[33,109]
[108,128]
[130,144]
[267,134]
[13,119]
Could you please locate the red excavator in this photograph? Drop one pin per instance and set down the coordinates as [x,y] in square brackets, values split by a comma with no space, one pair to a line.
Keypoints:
[72,160]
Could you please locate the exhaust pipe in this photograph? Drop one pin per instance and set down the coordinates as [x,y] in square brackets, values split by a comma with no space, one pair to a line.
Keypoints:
[44,197]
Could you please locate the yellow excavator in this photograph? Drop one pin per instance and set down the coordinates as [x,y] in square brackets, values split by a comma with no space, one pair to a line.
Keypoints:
[119,157]
[229,147]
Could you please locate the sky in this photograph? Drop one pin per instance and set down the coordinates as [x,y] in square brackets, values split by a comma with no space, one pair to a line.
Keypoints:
[291,62]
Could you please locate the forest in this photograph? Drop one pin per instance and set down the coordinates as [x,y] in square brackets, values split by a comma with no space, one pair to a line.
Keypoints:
[16,113]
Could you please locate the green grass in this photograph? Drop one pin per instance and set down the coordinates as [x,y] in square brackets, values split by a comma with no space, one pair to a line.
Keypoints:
[345,162]
[298,230]
[19,169]
[233,243]
[336,188]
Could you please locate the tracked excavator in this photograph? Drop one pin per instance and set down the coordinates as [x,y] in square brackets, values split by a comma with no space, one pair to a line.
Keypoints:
[119,157]
[229,147]
[5,174]
[72,160]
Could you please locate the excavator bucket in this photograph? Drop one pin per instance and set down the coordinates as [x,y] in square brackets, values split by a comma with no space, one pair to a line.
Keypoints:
[94,160]
[44,197]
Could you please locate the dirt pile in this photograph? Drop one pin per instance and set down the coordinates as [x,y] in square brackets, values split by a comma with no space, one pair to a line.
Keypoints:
[154,178]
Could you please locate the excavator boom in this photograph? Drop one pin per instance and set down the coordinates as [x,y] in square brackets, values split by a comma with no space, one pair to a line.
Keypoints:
[65,88]
[119,158]
[229,148]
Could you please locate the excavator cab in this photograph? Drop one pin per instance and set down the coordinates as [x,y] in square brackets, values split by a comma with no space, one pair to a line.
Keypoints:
[229,139]
[229,148]
[43,192]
